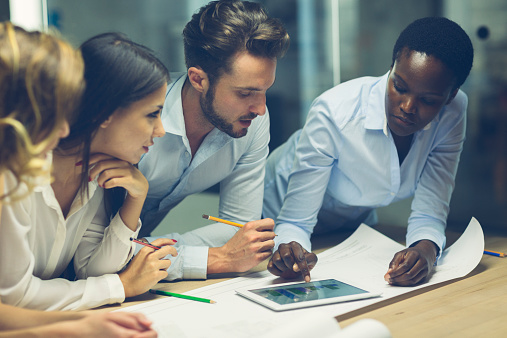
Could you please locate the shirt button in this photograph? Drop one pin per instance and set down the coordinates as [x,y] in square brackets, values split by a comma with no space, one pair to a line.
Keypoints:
[392,193]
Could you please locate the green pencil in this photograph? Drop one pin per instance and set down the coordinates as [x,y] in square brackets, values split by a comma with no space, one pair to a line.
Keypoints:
[171,294]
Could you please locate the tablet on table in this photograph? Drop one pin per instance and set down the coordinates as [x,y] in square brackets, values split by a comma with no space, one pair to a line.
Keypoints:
[296,295]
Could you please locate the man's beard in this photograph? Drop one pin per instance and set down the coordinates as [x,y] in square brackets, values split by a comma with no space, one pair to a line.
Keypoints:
[211,114]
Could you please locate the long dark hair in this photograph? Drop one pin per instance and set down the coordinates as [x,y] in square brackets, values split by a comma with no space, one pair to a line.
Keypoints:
[118,72]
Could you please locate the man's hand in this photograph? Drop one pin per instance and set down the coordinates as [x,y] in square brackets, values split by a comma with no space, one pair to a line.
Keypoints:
[412,265]
[291,261]
[252,244]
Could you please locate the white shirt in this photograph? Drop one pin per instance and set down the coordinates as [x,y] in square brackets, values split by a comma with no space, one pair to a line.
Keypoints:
[236,163]
[343,164]
[38,244]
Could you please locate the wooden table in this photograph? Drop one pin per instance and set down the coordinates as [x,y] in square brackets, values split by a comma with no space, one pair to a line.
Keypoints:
[474,306]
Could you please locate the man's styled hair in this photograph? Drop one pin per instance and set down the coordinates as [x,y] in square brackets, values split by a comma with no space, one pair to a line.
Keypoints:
[441,38]
[221,29]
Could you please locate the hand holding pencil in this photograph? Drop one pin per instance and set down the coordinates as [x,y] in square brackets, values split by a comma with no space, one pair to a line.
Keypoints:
[249,246]
[413,264]
[147,267]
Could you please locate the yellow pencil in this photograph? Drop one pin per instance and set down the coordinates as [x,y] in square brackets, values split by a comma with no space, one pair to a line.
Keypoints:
[216,219]
[222,221]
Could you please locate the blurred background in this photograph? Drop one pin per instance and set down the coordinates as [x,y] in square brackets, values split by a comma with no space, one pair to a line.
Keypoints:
[332,41]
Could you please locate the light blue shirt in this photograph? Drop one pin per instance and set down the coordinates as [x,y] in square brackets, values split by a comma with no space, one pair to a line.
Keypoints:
[236,163]
[343,164]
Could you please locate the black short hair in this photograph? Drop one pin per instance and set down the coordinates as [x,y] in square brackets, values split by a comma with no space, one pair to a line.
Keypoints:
[441,38]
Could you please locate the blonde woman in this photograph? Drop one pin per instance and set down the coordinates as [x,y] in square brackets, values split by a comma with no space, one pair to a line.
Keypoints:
[41,82]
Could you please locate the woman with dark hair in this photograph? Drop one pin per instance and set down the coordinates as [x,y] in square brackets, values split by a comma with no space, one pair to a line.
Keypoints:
[73,219]
[41,82]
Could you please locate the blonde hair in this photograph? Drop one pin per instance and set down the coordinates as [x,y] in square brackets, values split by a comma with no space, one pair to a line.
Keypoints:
[41,83]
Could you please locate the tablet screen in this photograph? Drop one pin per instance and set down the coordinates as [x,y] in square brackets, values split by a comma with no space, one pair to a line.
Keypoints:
[302,292]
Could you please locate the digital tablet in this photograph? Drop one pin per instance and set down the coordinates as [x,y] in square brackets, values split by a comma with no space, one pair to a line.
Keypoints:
[290,296]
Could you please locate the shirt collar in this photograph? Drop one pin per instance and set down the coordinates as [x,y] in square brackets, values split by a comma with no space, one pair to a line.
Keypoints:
[376,107]
[172,113]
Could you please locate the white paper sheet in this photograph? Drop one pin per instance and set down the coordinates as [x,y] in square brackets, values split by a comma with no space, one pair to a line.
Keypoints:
[362,260]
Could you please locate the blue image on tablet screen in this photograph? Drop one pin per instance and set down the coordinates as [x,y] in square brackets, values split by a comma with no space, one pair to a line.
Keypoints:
[303,292]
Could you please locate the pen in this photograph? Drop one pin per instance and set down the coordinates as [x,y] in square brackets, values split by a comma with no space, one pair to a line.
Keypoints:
[222,221]
[145,244]
[171,294]
[494,253]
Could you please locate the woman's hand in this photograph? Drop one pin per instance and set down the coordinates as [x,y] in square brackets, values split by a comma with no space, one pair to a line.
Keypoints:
[111,324]
[112,173]
[147,268]
[412,265]
[291,261]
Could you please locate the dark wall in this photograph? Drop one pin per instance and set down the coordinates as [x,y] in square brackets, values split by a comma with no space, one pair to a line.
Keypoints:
[4,10]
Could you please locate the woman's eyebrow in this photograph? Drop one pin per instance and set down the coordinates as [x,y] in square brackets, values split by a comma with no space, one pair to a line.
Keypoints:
[400,79]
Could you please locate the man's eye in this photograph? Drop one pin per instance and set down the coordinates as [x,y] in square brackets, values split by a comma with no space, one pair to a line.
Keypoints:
[154,114]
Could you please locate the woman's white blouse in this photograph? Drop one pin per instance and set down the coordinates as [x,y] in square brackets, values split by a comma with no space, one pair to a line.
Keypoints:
[38,243]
